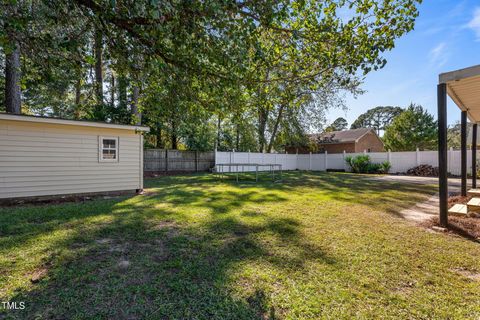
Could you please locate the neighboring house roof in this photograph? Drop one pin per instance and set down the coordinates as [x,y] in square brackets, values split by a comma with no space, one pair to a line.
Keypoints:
[84,123]
[346,136]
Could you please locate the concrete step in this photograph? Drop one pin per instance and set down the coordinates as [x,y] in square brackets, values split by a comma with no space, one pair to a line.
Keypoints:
[458,210]
[473,205]
[474,192]
[474,202]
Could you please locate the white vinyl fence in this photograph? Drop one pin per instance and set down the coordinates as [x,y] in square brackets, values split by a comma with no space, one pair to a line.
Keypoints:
[400,161]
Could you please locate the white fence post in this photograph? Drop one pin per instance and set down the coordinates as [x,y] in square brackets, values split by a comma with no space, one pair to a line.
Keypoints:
[400,161]
[296,160]
[364,151]
[326,160]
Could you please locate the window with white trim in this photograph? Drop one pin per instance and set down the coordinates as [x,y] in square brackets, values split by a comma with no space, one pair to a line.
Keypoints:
[108,149]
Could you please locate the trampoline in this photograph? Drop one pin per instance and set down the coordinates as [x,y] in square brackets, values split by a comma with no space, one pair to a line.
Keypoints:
[273,169]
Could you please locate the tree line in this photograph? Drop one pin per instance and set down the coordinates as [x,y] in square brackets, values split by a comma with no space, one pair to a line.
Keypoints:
[244,75]
[402,129]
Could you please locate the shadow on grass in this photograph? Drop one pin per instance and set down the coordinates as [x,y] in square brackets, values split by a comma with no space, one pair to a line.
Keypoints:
[127,259]
[389,196]
[136,258]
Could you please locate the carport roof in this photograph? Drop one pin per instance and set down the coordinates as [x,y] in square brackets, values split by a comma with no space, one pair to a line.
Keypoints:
[463,86]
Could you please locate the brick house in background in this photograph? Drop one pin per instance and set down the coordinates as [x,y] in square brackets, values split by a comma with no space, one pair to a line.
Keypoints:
[350,141]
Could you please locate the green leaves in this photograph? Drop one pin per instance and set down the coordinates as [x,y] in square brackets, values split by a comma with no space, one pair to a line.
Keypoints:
[378,118]
[413,128]
[237,59]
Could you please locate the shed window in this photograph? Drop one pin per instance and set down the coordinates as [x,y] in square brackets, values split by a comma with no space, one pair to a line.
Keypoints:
[108,149]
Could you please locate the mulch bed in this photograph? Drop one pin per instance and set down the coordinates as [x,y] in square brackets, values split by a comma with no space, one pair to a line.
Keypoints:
[59,199]
[453,200]
[151,174]
[468,227]
[464,226]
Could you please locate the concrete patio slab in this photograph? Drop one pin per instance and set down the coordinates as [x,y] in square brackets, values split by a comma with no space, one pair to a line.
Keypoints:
[424,210]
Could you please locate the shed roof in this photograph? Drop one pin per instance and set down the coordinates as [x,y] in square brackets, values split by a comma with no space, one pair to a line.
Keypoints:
[463,86]
[84,123]
[345,136]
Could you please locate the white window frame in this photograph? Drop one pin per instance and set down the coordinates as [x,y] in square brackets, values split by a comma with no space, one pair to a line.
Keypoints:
[100,149]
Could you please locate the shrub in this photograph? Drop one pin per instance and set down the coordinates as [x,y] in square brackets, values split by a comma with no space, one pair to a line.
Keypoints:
[386,166]
[362,164]
[358,164]
[374,168]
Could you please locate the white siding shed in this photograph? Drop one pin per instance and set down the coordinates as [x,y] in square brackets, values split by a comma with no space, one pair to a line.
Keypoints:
[48,157]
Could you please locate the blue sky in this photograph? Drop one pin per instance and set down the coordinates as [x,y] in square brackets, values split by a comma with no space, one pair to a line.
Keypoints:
[446,37]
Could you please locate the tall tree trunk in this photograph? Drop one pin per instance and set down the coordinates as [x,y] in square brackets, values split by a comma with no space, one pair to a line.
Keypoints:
[122,92]
[275,128]
[78,96]
[174,136]
[262,116]
[219,124]
[237,138]
[262,123]
[136,115]
[112,90]
[159,138]
[13,102]
[100,112]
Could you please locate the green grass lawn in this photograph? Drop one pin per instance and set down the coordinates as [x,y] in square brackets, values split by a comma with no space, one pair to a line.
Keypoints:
[318,245]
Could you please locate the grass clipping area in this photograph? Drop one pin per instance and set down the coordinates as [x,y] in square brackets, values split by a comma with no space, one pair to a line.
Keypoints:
[318,245]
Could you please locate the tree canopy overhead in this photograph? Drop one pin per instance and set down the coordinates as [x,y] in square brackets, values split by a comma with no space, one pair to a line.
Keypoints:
[338,124]
[245,74]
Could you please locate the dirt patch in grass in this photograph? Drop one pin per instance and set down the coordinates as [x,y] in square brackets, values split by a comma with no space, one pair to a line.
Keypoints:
[464,226]
[103,241]
[123,264]
[405,288]
[38,274]
[150,193]
[170,228]
[164,225]
[475,276]
[58,199]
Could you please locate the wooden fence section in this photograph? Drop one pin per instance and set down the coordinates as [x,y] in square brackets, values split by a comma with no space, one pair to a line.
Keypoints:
[162,160]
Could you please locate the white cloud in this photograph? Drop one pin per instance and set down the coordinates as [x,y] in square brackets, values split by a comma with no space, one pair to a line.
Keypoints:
[438,55]
[474,24]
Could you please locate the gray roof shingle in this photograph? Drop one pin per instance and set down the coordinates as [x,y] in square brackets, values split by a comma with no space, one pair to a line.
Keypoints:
[340,136]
